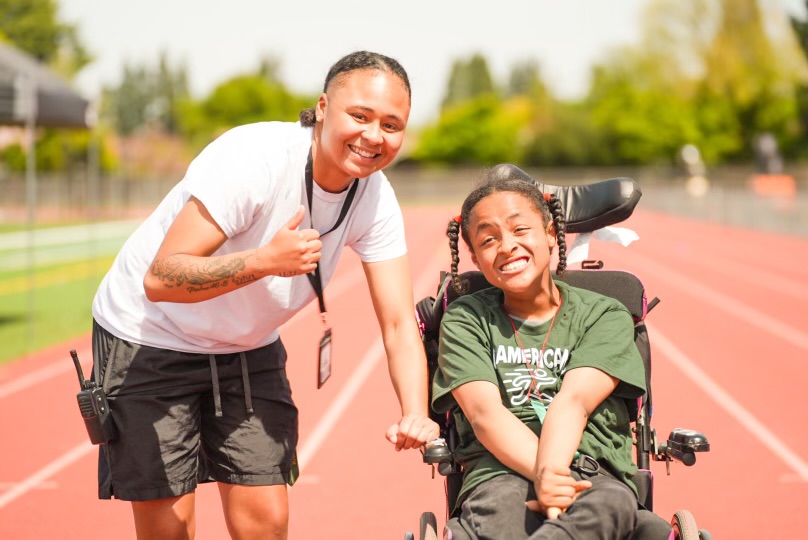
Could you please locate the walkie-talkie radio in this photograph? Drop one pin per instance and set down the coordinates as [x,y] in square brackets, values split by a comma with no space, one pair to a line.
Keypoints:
[94,407]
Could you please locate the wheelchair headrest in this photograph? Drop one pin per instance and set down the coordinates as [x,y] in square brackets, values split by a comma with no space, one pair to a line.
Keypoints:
[587,207]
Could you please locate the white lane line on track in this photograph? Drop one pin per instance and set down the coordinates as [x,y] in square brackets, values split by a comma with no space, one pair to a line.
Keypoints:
[352,386]
[44,373]
[38,478]
[309,449]
[48,484]
[735,409]
[55,369]
[45,473]
[727,304]
[72,234]
[355,381]
[755,277]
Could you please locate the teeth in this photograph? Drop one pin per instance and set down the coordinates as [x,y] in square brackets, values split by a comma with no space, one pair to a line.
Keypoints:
[515,265]
[363,153]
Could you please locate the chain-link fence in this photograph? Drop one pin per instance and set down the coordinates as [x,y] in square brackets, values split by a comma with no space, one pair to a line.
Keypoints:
[728,195]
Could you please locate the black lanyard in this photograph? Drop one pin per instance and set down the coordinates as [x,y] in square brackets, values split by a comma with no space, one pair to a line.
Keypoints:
[314,276]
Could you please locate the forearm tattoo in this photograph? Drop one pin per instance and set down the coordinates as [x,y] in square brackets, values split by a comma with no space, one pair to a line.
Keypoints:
[209,274]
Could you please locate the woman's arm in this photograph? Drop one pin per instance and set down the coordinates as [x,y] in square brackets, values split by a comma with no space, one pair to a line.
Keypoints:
[184,271]
[502,433]
[391,293]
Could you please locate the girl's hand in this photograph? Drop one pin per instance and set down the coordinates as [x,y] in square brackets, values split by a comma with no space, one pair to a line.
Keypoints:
[556,490]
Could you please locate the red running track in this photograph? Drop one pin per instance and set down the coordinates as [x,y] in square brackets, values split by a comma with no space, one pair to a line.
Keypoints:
[729,342]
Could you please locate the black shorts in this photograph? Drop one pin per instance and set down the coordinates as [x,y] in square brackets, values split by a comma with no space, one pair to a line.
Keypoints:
[184,418]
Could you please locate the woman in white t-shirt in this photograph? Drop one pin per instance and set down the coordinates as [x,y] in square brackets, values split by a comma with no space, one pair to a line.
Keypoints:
[185,334]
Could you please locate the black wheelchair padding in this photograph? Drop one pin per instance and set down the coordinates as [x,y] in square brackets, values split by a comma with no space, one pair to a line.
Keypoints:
[620,285]
[587,207]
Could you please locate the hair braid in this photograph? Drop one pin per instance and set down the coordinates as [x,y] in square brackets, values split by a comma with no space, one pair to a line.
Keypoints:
[452,231]
[560,228]
[308,117]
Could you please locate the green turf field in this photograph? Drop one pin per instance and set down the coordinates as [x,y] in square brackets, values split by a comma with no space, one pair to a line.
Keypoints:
[46,290]
[47,307]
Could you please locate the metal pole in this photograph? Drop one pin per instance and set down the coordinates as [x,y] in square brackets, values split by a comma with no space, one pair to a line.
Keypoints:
[93,174]
[31,198]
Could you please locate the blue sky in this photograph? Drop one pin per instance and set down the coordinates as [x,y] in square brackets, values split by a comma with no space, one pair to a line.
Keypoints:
[218,39]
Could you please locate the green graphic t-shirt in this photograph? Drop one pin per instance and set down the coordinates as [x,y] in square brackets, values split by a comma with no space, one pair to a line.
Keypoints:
[477,343]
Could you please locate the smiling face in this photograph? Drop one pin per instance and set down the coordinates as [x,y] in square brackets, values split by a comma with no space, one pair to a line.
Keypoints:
[360,126]
[510,244]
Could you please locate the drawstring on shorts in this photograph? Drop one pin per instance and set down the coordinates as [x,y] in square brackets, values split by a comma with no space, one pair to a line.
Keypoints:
[214,376]
[245,378]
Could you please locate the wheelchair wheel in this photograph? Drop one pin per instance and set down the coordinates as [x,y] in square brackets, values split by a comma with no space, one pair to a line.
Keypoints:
[705,535]
[429,527]
[684,526]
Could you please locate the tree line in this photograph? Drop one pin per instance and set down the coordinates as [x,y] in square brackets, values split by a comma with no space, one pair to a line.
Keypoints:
[712,73]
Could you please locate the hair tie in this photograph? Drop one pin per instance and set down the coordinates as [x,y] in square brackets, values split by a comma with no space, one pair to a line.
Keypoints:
[458,219]
[547,196]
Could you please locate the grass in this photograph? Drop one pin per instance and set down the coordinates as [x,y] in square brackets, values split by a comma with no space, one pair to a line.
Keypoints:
[17,227]
[61,297]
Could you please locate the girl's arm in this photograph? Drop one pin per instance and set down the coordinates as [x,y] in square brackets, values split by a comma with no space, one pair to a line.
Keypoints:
[502,433]
[391,292]
[582,390]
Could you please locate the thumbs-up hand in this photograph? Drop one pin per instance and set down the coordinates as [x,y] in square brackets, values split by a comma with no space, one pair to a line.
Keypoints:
[291,252]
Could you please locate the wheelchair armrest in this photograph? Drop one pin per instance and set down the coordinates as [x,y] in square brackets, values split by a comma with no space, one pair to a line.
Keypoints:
[683,444]
[437,451]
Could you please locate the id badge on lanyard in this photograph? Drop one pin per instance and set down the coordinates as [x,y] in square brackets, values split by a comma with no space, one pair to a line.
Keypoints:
[533,394]
[324,352]
[538,406]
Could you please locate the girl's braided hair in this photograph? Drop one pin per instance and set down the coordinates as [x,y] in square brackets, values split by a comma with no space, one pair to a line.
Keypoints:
[353,62]
[506,179]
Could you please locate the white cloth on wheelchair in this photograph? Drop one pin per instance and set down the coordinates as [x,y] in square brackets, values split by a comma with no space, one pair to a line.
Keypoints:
[580,246]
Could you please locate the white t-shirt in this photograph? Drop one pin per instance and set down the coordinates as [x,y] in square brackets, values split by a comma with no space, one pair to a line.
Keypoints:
[252,181]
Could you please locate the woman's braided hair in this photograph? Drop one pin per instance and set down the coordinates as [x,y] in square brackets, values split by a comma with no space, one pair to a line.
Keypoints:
[353,62]
[496,181]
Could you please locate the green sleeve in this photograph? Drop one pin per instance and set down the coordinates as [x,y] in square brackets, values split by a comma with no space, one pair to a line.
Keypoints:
[608,345]
[463,353]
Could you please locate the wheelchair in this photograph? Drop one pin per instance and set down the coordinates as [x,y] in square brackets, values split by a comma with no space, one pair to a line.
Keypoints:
[587,208]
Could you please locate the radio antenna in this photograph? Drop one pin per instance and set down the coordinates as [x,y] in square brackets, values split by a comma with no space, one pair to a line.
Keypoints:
[75,357]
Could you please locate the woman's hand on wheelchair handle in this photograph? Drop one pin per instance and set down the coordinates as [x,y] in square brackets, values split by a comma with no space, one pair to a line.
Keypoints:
[412,431]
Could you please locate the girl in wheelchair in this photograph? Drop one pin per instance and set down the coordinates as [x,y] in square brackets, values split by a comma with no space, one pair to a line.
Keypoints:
[537,375]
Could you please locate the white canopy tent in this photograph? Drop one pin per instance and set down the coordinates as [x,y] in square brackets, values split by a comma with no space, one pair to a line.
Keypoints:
[31,93]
